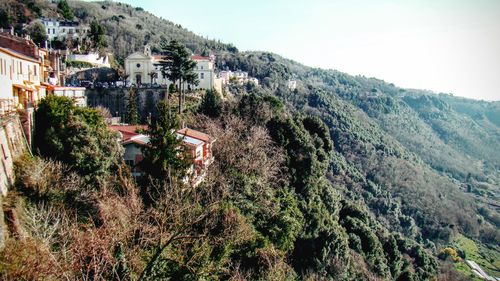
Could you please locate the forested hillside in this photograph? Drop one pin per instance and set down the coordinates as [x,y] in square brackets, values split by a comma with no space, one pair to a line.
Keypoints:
[343,178]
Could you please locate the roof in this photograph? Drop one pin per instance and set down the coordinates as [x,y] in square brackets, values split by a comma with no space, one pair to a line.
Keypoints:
[137,55]
[196,135]
[129,134]
[62,88]
[194,57]
[139,139]
[158,57]
[127,131]
[18,55]
[189,140]
[59,88]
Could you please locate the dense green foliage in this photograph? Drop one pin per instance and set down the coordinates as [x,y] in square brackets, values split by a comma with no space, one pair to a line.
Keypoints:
[97,32]
[37,33]
[65,9]
[164,157]
[78,64]
[77,137]
[178,67]
[132,108]
[211,104]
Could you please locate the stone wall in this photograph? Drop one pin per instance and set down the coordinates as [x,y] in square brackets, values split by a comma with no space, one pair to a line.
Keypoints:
[13,144]
[116,100]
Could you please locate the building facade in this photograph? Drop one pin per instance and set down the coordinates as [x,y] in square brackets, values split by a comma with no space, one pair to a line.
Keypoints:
[21,71]
[145,68]
[63,29]
[236,77]
[77,94]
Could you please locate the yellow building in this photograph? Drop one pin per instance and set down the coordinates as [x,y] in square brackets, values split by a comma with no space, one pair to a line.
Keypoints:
[21,72]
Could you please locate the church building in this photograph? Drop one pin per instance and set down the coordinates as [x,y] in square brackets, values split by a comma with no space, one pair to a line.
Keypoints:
[144,68]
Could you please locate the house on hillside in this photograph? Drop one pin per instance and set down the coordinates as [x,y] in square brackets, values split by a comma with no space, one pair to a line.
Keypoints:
[145,68]
[198,145]
[64,29]
[237,77]
[77,94]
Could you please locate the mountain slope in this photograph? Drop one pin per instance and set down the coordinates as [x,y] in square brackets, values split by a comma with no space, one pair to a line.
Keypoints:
[405,141]
[393,178]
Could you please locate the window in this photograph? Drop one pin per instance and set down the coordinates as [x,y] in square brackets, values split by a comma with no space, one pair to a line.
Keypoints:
[53,31]
[201,67]
[202,75]
[138,65]
[34,70]
[131,163]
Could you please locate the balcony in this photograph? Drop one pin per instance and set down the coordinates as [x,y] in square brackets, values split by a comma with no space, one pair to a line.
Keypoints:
[7,107]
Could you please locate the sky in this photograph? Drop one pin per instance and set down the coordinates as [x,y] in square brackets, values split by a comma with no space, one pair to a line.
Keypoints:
[449,46]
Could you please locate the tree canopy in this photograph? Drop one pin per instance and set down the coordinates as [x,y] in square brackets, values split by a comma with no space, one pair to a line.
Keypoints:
[65,9]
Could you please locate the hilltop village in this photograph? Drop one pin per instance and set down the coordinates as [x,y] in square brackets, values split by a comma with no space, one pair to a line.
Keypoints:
[135,149]
[31,71]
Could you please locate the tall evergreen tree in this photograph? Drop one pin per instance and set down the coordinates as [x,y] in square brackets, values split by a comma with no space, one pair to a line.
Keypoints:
[132,108]
[178,67]
[37,33]
[164,157]
[211,104]
[65,10]
[96,35]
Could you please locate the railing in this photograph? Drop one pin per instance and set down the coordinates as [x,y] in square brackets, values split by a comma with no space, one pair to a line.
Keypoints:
[7,106]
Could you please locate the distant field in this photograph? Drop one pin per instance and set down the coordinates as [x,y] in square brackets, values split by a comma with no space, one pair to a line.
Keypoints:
[487,258]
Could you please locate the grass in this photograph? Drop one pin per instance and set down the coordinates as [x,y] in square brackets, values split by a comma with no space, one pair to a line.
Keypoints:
[488,257]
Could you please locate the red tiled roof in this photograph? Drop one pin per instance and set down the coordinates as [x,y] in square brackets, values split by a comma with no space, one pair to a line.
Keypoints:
[195,134]
[158,57]
[128,131]
[195,57]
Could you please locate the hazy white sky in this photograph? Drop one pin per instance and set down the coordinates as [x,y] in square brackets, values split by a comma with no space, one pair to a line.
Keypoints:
[450,46]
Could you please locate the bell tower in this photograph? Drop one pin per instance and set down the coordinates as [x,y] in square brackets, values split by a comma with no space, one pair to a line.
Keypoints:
[147,50]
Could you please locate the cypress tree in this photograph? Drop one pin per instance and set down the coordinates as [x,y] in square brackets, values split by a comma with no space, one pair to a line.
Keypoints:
[132,108]
[211,104]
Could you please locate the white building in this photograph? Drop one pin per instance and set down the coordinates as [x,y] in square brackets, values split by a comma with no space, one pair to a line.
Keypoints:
[63,29]
[77,94]
[145,68]
[93,58]
[292,84]
[238,77]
